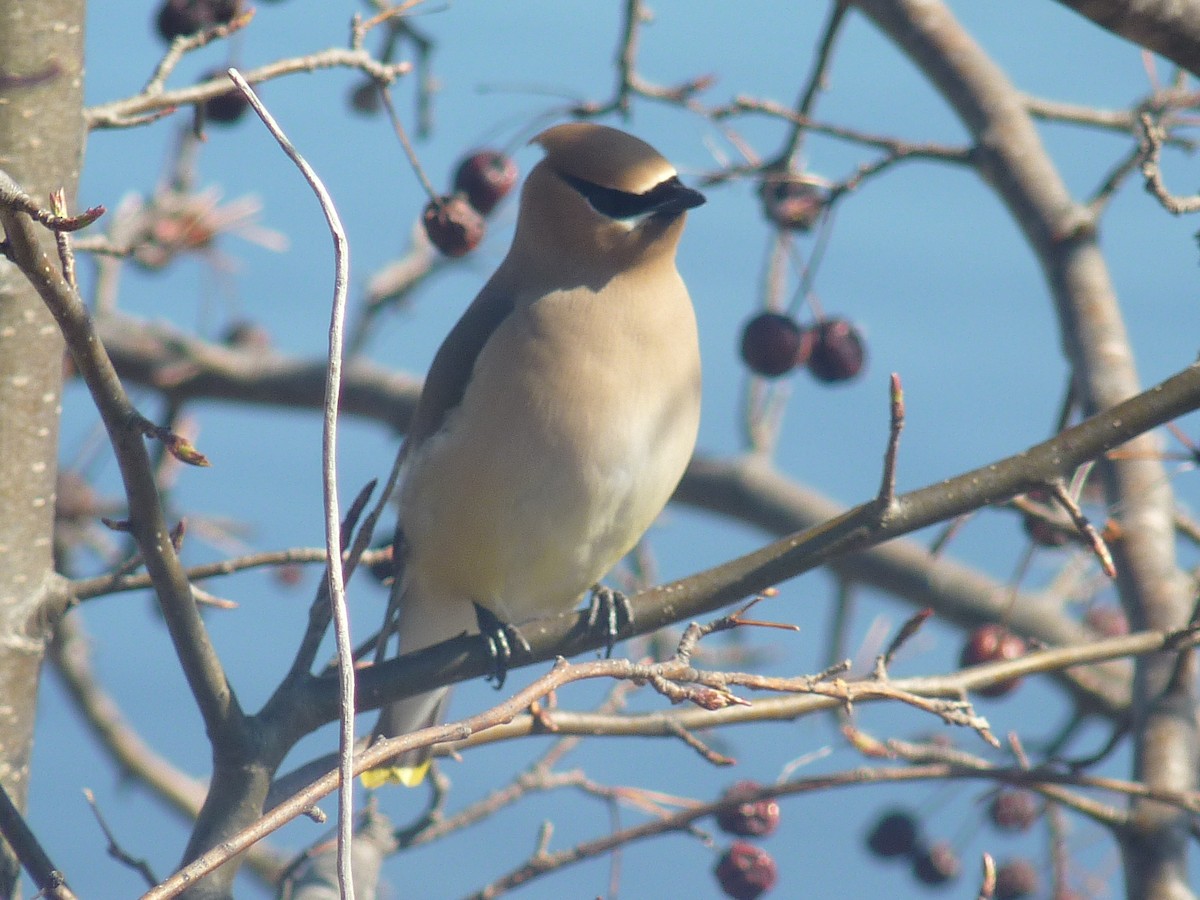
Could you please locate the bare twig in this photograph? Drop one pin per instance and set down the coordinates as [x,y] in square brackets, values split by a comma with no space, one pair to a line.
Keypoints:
[333,534]
[1152,137]
[147,106]
[815,82]
[185,44]
[629,83]
[114,848]
[103,585]
[887,488]
[907,630]
[987,885]
[409,150]
[1089,532]
[222,715]
[17,834]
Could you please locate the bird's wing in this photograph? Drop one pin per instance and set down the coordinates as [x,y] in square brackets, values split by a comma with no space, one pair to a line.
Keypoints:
[455,360]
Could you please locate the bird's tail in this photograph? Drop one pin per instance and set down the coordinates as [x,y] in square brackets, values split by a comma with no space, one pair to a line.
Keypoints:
[402,717]
[420,620]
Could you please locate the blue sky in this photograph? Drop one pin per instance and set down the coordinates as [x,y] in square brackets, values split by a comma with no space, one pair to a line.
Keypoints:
[925,259]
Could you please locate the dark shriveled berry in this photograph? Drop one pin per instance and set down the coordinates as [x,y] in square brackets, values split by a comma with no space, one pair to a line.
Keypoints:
[1013,809]
[936,864]
[773,344]
[226,108]
[179,17]
[1044,533]
[791,204]
[1016,879]
[993,643]
[364,98]
[748,818]
[746,872]
[895,834]
[838,352]
[453,226]
[486,177]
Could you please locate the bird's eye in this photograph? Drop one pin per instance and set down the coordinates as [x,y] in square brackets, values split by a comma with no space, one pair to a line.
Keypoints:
[669,197]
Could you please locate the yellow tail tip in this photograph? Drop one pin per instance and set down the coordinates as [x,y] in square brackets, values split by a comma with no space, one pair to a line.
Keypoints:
[409,776]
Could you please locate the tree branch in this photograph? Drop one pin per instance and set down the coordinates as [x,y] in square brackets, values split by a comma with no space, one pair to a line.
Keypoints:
[219,708]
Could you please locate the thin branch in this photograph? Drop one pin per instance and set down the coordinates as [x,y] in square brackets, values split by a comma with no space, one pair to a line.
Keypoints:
[629,83]
[1119,120]
[17,834]
[186,43]
[1085,528]
[564,673]
[815,83]
[409,151]
[124,746]
[104,585]
[115,850]
[896,147]
[1107,189]
[222,715]
[887,489]
[333,532]
[852,531]
[146,106]
[1152,136]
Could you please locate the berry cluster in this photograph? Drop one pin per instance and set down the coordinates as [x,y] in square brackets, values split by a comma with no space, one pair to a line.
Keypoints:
[993,643]
[897,835]
[177,18]
[746,871]
[774,344]
[454,223]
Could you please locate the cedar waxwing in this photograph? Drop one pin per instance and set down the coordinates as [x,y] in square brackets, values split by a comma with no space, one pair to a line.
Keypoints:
[559,413]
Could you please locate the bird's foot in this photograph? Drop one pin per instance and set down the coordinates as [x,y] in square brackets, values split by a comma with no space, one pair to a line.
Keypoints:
[609,611]
[500,637]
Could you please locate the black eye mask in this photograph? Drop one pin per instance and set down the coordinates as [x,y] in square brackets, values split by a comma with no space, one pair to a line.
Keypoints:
[669,198]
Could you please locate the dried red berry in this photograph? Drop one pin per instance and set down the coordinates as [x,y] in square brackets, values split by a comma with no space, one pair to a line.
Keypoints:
[894,834]
[365,98]
[748,818]
[1015,879]
[1044,533]
[180,17]
[773,344]
[792,203]
[289,574]
[226,108]
[936,864]
[486,177]
[746,872]
[453,226]
[993,643]
[1013,809]
[839,351]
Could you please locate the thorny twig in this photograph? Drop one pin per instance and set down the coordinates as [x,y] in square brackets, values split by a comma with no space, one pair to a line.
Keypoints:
[1153,134]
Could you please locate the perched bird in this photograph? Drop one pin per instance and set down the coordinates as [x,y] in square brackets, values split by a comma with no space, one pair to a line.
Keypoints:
[559,413]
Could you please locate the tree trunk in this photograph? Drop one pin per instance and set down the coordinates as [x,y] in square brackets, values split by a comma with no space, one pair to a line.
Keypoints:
[41,147]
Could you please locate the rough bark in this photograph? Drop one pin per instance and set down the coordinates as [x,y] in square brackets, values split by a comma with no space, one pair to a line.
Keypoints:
[41,145]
